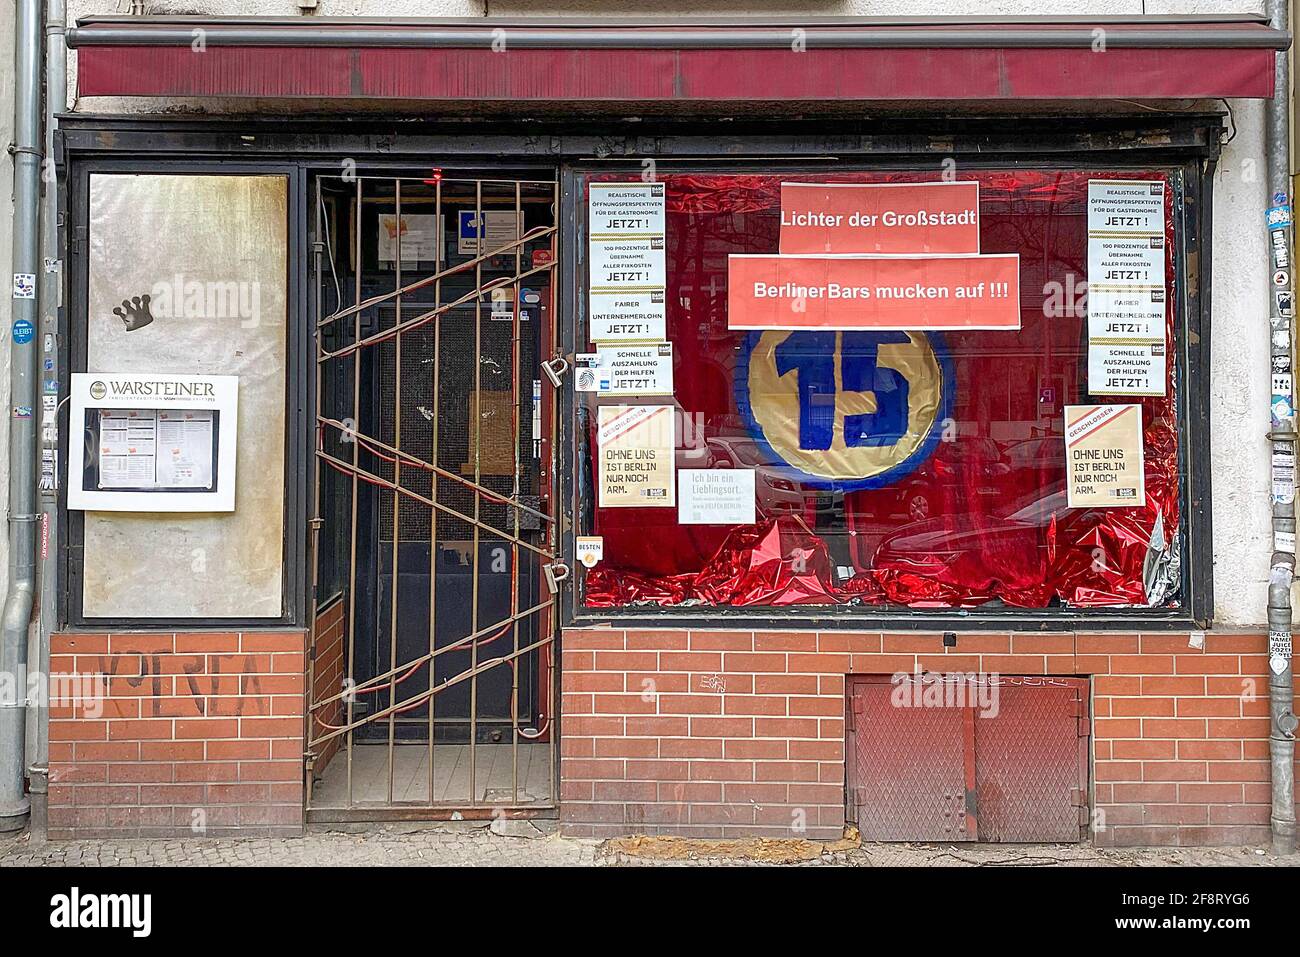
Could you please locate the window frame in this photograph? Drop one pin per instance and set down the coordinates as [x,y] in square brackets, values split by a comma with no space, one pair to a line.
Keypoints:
[1191,177]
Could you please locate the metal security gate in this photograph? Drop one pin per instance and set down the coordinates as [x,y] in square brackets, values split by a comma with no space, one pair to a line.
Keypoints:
[434,548]
[967,757]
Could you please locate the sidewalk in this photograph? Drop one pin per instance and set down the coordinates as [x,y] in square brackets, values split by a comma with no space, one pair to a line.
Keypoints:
[465,845]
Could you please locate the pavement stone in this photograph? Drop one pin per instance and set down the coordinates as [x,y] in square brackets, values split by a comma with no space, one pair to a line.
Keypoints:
[479,845]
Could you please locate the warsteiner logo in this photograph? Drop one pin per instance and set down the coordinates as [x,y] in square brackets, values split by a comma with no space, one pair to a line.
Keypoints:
[98,390]
[849,410]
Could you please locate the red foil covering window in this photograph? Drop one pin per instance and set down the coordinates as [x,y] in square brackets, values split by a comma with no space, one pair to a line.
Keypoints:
[982,518]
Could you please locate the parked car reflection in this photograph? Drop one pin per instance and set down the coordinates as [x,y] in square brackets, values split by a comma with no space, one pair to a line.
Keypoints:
[778,489]
[955,473]
[932,544]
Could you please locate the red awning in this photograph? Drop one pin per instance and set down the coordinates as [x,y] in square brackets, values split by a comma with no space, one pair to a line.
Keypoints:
[556,60]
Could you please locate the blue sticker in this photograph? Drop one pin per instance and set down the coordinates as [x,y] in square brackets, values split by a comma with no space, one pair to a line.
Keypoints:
[22,412]
[1278,217]
[49,365]
[23,331]
[52,385]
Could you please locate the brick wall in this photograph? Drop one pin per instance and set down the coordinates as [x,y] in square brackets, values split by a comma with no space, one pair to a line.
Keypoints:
[328,669]
[727,733]
[199,734]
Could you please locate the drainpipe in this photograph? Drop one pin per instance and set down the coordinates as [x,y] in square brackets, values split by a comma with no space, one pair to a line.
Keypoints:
[17,614]
[1282,434]
[51,298]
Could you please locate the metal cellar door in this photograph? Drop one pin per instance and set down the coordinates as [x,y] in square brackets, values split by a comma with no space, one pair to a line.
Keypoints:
[966,757]
[431,674]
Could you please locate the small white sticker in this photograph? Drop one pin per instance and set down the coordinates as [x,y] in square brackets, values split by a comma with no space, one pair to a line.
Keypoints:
[590,550]
[1284,542]
[1279,651]
[24,285]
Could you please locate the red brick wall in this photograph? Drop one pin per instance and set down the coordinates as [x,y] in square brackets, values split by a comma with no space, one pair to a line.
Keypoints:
[201,734]
[328,669]
[728,733]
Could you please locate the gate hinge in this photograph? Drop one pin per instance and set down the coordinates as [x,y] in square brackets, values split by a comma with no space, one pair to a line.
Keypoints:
[555,369]
[555,573]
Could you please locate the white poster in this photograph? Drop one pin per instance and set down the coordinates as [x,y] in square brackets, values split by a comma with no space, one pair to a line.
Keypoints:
[128,448]
[635,446]
[626,241]
[715,497]
[165,442]
[626,370]
[1126,287]
[421,236]
[1104,456]
[1131,368]
[185,448]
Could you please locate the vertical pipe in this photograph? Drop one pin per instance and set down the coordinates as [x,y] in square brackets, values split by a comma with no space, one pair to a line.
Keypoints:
[19,598]
[56,98]
[1281,741]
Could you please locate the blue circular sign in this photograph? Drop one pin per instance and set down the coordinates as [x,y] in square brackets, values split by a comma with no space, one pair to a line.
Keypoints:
[23,331]
[857,409]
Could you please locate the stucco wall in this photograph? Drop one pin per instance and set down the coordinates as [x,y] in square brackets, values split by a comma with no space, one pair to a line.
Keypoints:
[1240,332]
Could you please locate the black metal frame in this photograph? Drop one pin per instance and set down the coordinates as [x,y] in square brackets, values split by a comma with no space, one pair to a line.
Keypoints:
[1189,142]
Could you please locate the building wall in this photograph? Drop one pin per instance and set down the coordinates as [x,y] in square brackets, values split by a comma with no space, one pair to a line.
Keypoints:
[185,733]
[742,729]
[737,733]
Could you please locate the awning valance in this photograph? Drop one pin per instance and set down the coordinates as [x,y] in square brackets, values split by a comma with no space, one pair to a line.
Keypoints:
[749,60]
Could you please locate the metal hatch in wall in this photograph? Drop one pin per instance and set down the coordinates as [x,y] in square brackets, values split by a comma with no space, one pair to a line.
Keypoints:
[968,757]
[431,683]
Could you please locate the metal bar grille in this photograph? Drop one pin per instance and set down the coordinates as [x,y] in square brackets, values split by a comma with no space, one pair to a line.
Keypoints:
[432,493]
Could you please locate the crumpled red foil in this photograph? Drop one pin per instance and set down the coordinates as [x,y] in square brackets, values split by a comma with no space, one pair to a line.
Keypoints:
[775,563]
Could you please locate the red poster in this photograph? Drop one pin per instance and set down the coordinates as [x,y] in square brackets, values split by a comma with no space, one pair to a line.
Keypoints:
[880,217]
[864,292]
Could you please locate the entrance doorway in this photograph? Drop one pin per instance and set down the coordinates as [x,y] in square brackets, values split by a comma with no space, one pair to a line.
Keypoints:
[431,669]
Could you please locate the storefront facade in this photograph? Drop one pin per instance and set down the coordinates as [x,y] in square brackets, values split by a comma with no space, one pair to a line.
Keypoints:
[726,430]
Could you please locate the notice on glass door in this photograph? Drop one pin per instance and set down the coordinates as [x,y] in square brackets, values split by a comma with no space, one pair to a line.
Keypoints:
[626,241]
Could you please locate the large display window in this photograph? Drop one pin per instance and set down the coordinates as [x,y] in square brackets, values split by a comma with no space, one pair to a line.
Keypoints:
[842,389]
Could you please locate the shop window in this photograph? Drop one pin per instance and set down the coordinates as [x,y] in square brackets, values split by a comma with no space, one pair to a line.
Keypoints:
[888,462]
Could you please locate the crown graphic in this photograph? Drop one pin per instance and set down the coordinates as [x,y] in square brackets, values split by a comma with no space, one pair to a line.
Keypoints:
[134,312]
